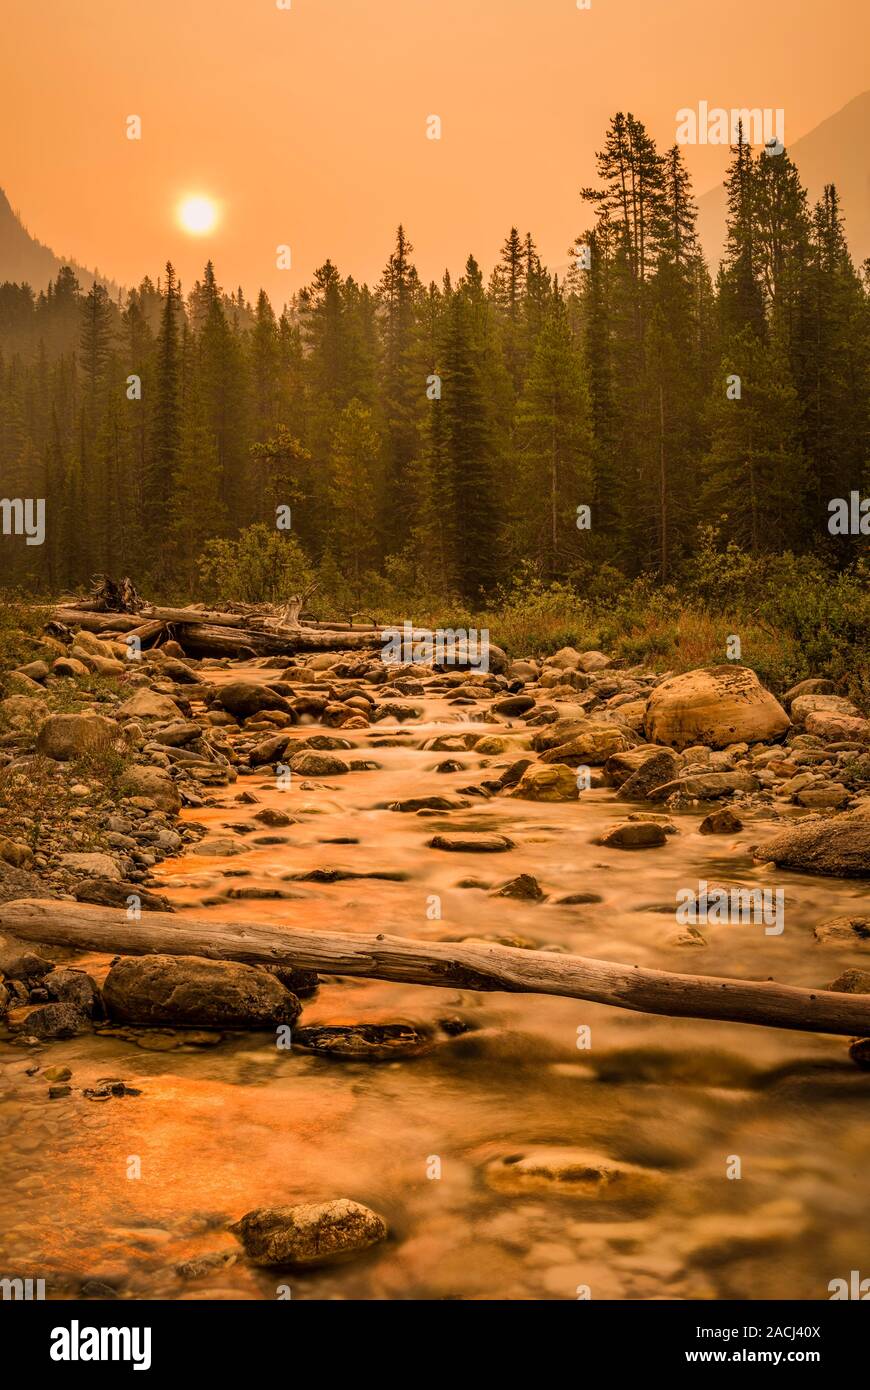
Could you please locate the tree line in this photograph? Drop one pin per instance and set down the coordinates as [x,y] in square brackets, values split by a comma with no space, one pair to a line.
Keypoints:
[459,431]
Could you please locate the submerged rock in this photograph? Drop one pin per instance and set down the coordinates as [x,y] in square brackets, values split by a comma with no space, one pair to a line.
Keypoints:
[472,844]
[844,931]
[310,1233]
[364,1042]
[188,990]
[577,1173]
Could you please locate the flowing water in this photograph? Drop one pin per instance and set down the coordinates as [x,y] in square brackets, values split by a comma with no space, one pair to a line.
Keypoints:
[225,1125]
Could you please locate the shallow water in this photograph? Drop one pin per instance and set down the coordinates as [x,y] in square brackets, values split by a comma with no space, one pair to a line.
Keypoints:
[222,1127]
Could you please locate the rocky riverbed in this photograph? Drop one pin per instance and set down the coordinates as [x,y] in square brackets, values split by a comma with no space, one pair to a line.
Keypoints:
[179,1128]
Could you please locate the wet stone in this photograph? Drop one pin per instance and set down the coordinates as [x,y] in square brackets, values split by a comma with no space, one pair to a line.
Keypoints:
[309,1234]
[364,1042]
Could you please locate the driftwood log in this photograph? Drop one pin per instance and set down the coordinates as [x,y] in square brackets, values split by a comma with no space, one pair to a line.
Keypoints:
[445,964]
[204,632]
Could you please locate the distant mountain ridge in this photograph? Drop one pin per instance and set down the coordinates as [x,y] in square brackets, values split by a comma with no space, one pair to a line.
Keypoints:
[23,259]
[834,152]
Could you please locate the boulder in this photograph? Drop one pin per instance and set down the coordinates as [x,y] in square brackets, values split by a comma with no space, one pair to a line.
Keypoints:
[152,782]
[53,1021]
[555,782]
[67,736]
[653,772]
[594,661]
[591,747]
[309,1233]
[715,707]
[705,786]
[115,892]
[816,685]
[34,670]
[525,888]
[14,853]
[21,709]
[93,864]
[317,765]
[722,822]
[147,704]
[566,659]
[472,844]
[839,846]
[69,666]
[806,704]
[269,750]
[634,834]
[244,698]
[176,734]
[623,765]
[833,727]
[852,931]
[559,732]
[101,665]
[173,991]
[513,706]
[73,987]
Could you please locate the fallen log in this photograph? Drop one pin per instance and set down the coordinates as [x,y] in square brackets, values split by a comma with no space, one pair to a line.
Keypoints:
[55,922]
[95,622]
[148,631]
[205,639]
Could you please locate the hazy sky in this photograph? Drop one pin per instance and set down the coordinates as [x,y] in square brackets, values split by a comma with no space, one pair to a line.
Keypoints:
[308,125]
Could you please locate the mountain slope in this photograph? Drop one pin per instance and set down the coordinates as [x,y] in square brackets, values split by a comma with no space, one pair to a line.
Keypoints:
[835,152]
[23,258]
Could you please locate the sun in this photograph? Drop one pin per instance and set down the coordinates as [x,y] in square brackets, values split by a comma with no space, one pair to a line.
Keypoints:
[198,214]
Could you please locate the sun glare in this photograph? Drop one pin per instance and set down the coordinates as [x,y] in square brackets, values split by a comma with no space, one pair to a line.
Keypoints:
[197,215]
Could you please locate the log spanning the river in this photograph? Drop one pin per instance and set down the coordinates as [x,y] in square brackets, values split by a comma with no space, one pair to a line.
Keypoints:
[203,632]
[206,639]
[55,922]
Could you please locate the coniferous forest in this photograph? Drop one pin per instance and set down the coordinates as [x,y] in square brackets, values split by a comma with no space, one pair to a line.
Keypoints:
[448,437]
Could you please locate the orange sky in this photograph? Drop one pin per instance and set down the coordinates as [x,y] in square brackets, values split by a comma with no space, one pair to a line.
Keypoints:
[308,124]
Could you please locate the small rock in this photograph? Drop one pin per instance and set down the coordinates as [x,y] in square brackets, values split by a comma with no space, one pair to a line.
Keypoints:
[472,844]
[310,1233]
[524,887]
[722,822]
[634,835]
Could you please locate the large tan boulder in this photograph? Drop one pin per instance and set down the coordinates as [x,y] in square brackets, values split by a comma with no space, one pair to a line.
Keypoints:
[67,736]
[715,707]
[149,704]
